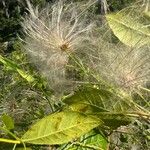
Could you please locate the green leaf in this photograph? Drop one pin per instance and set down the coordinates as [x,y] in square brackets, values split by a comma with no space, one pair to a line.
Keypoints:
[59,128]
[13,66]
[110,108]
[129,29]
[92,100]
[8,121]
[91,140]
[114,120]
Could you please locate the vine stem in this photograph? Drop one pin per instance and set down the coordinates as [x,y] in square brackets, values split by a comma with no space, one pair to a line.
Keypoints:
[47,99]
[145,89]
[7,131]
[17,141]
[130,114]
[10,141]
[14,147]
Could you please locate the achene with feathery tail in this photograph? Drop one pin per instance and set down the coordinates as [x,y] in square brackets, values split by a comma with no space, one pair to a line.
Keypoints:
[53,33]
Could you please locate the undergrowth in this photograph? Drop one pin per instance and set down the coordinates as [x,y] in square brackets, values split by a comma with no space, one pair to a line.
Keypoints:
[82,77]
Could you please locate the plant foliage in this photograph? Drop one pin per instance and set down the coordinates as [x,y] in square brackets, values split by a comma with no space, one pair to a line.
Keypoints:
[107,79]
[60,128]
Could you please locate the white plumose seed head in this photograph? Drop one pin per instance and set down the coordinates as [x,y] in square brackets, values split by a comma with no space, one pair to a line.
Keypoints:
[122,66]
[52,33]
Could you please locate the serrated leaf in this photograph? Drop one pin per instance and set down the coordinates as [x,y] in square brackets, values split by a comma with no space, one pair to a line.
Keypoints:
[59,128]
[8,121]
[129,30]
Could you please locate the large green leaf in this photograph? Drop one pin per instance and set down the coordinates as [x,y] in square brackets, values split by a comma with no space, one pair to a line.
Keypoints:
[59,128]
[130,30]
[92,100]
[110,108]
[91,140]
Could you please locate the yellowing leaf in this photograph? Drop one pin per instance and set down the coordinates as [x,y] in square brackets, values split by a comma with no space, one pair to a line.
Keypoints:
[129,30]
[59,128]
[102,103]
[92,100]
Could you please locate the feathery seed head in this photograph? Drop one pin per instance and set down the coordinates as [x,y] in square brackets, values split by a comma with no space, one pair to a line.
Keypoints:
[120,65]
[58,27]
[53,33]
